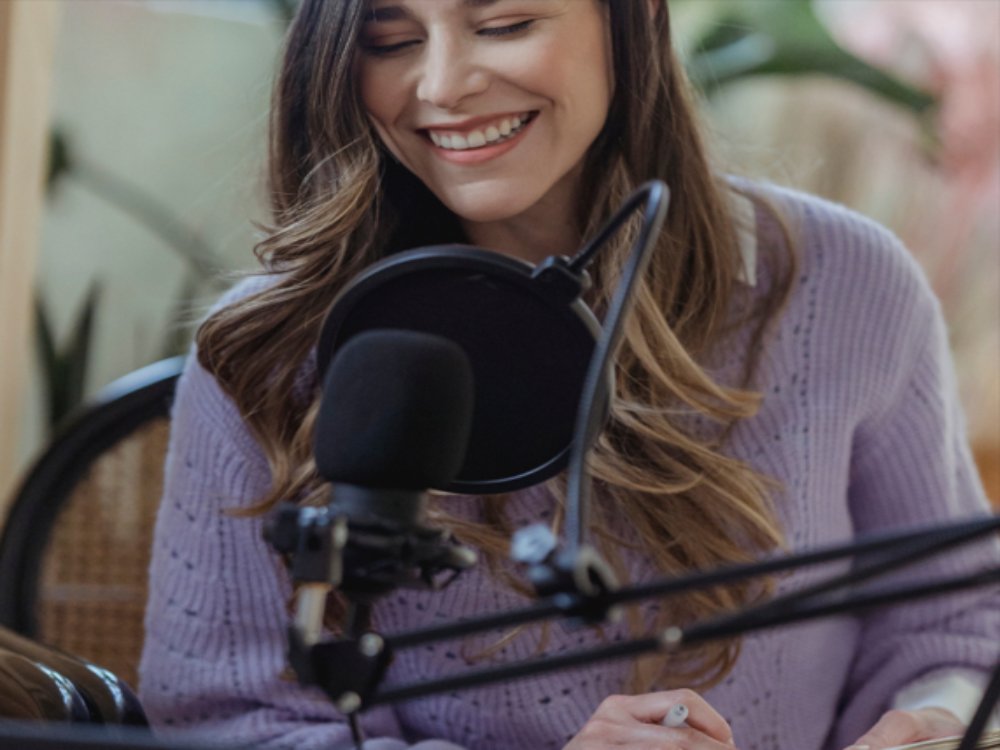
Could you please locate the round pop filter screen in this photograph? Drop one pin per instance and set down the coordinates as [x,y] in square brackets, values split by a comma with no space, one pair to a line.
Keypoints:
[528,347]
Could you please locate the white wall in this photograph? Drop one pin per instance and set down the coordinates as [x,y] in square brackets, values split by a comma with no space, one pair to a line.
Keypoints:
[172,96]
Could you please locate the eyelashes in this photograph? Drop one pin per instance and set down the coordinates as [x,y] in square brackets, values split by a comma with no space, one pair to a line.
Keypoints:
[384,50]
[513,28]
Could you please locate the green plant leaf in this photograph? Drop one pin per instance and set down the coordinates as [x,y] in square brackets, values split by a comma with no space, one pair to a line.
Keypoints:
[785,37]
[60,158]
[64,369]
[284,9]
[48,357]
[140,204]
[77,352]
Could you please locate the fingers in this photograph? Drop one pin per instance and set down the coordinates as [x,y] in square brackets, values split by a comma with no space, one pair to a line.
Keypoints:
[632,722]
[893,729]
[650,708]
[904,727]
[604,733]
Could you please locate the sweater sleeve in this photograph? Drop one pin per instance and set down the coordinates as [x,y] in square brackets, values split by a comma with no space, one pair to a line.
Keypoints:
[213,666]
[911,467]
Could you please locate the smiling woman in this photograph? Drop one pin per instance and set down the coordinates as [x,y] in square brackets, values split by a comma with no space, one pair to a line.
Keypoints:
[784,380]
[441,83]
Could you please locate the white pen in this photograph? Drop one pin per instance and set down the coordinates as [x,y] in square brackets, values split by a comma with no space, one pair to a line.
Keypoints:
[676,716]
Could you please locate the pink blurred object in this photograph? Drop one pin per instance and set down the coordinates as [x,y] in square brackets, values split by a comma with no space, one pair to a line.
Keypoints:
[950,47]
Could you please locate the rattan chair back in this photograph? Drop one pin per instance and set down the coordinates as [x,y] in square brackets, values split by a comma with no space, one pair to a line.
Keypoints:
[75,549]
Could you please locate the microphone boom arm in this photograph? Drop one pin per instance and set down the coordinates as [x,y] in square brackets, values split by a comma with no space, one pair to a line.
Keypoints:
[355,688]
[893,550]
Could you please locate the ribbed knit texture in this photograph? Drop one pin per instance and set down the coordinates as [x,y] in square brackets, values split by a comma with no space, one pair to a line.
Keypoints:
[860,423]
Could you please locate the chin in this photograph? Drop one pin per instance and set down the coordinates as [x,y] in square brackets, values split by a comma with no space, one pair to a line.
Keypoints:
[475,206]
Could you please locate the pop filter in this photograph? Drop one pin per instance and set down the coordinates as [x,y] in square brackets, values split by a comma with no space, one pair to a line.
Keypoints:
[526,333]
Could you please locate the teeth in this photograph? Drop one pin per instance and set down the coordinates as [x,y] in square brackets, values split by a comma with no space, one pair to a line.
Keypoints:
[479,138]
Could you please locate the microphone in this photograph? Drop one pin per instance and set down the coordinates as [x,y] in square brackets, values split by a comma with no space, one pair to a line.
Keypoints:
[395,415]
[393,421]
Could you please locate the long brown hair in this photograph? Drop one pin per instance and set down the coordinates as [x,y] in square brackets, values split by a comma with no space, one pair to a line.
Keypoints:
[339,203]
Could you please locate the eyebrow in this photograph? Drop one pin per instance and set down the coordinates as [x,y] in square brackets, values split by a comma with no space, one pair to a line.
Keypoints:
[396,12]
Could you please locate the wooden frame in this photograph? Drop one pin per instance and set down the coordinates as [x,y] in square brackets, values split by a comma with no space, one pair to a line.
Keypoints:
[27,42]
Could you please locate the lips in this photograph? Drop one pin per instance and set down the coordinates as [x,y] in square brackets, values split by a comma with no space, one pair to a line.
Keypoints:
[479,133]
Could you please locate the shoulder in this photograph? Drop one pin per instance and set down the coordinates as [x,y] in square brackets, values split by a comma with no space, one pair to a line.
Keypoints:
[849,251]
[852,274]
[243,288]
[860,311]
[201,405]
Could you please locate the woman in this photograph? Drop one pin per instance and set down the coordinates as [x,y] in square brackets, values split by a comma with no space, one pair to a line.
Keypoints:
[784,380]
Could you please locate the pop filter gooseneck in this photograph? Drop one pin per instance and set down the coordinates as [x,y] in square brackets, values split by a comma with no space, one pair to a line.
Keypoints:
[575,570]
[590,417]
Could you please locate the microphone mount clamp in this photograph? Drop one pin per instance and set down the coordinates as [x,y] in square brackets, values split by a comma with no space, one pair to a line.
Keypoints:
[576,578]
[364,557]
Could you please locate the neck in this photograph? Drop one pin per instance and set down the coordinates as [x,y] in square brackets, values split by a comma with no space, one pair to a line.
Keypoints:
[547,228]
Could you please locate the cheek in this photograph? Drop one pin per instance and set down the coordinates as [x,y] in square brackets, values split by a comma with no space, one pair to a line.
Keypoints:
[609,59]
[374,96]
[564,79]
[583,83]
[383,94]
[381,104]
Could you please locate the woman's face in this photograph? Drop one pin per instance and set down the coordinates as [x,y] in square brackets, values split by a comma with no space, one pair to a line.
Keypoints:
[491,103]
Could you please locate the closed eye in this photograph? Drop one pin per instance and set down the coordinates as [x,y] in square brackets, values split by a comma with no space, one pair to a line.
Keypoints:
[505,30]
[489,31]
[388,49]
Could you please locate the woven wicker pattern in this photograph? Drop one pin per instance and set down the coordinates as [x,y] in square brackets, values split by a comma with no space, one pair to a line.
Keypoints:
[92,589]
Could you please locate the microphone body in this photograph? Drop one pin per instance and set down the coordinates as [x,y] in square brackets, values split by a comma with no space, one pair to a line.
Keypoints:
[388,544]
[393,421]
[395,412]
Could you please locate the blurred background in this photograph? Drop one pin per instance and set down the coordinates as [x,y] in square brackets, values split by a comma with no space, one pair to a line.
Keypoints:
[154,143]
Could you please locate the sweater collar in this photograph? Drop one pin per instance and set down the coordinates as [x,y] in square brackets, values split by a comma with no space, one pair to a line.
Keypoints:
[745,217]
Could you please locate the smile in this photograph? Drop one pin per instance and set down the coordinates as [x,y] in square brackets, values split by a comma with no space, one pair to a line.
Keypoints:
[481,136]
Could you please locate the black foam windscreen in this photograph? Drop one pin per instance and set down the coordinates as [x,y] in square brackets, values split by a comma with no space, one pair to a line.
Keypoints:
[395,411]
[529,346]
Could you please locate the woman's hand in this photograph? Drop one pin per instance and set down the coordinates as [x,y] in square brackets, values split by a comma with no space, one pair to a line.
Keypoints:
[632,722]
[903,727]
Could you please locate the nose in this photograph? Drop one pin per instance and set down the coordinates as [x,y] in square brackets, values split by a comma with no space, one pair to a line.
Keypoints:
[450,73]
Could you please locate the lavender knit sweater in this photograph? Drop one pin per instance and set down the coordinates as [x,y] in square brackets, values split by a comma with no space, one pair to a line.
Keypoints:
[860,423]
